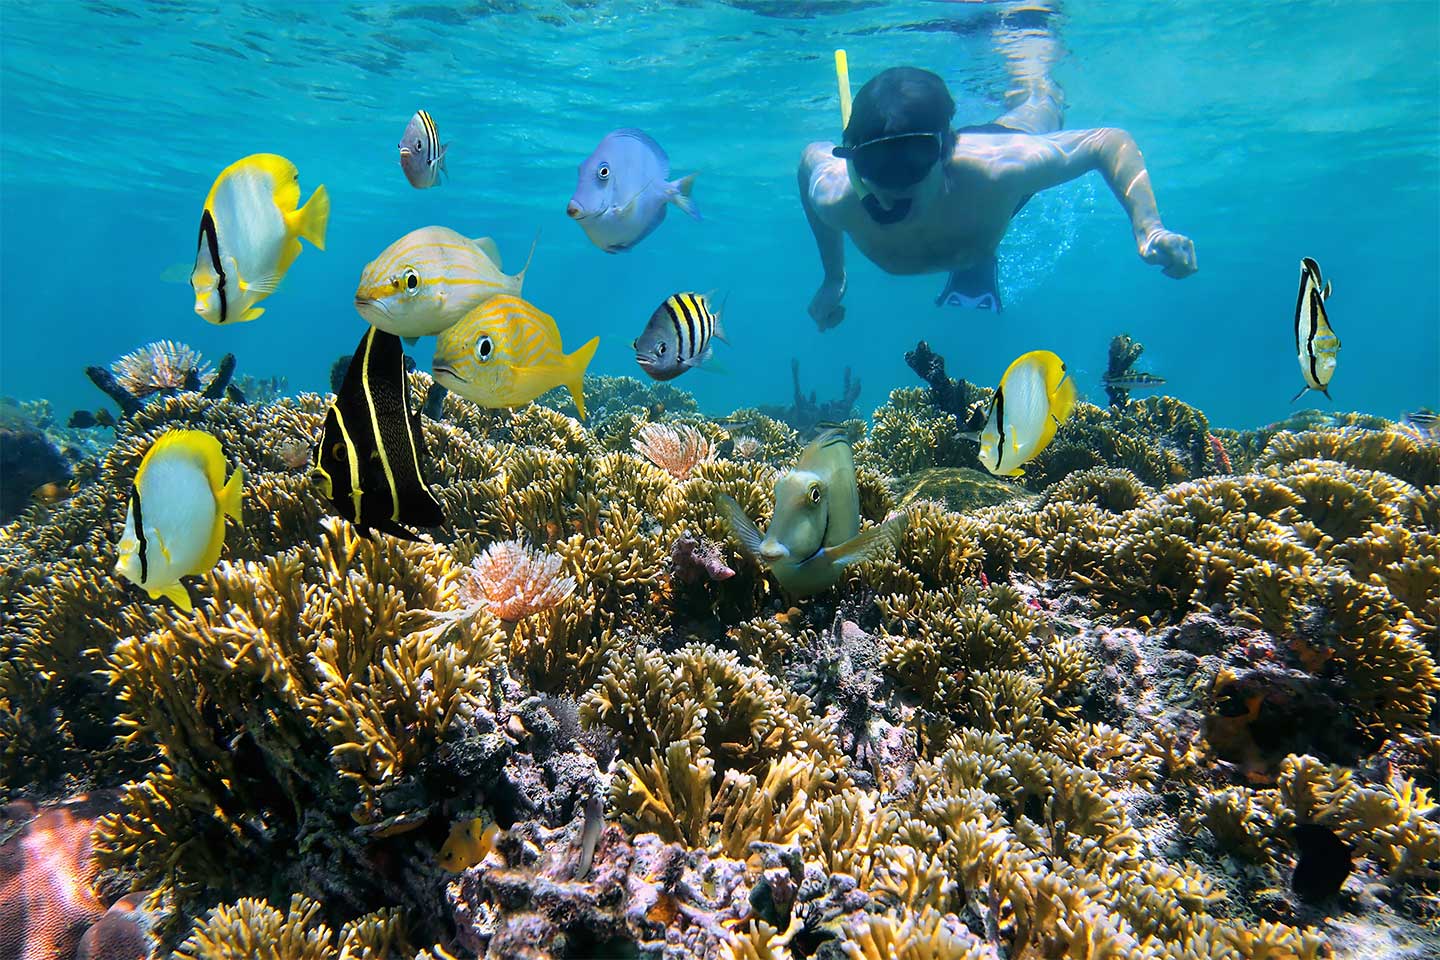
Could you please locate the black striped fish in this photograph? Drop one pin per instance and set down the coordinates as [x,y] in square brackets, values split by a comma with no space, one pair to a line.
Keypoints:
[678,336]
[1315,342]
[371,455]
[421,155]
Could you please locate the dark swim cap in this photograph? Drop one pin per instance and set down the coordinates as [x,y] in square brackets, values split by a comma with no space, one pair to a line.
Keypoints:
[900,100]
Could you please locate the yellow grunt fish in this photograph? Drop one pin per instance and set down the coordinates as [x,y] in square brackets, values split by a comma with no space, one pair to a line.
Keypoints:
[430,278]
[250,234]
[175,524]
[505,353]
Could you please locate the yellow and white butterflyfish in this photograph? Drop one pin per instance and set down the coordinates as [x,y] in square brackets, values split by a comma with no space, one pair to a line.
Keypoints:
[250,234]
[1316,344]
[429,279]
[175,524]
[1034,398]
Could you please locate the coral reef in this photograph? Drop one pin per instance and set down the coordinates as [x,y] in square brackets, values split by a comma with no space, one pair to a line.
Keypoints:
[167,368]
[675,449]
[1087,717]
[955,397]
[805,414]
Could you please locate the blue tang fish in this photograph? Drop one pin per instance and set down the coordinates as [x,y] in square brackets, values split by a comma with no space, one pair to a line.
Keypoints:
[623,191]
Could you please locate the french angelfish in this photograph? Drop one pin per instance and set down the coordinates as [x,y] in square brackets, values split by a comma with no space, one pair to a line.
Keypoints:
[370,461]
[1316,345]
[175,522]
[430,278]
[1034,398]
[421,155]
[623,190]
[815,532]
[677,336]
[506,352]
[250,234]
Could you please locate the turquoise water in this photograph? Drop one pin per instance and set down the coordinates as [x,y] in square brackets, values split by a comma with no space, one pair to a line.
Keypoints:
[1271,131]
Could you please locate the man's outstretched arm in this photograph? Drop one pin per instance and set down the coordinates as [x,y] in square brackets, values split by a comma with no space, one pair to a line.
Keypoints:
[1063,156]
[825,307]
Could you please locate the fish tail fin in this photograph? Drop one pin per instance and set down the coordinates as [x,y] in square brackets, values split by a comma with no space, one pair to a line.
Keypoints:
[310,220]
[718,331]
[176,594]
[741,527]
[575,379]
[679,195]
[520,277]
[231,494]
[1300,394]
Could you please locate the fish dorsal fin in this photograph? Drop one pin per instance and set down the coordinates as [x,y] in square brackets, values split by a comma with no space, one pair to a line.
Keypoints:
[634,133]
[812,459]
[490,248]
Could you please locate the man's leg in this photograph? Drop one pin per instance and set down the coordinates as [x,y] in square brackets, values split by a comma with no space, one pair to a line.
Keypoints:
[1034,102]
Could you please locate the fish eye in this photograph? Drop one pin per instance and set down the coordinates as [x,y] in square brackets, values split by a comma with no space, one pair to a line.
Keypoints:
[417,145]
[604,172]
[814,493]
[484,348]
[660,349]
[412,280]
[338,451]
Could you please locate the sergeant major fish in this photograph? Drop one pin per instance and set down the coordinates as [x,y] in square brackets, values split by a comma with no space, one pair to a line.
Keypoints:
[421,155]
[1034,398]
[1316,345]
[429,279]
[370,461]
[623,191]
[678,335]
[815,532]
[175,522]
[506,352]
[250,234]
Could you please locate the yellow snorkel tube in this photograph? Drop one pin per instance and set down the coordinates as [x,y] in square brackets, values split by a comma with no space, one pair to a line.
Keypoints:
[842,80]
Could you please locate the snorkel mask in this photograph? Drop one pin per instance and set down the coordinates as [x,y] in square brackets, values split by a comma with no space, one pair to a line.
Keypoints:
[893,162]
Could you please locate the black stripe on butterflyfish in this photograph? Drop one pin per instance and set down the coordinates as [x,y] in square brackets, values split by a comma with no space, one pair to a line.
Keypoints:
[144,548]
[1000,424]
[212,242]
[1317,316]
[371,449]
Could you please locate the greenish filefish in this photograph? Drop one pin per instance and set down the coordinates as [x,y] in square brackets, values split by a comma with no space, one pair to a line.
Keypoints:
[815,533]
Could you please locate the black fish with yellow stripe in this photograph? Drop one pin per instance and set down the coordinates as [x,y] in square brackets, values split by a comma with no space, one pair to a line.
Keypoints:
[678,336]
[371,455]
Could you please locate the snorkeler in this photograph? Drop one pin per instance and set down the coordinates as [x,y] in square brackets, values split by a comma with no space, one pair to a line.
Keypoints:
[917,196]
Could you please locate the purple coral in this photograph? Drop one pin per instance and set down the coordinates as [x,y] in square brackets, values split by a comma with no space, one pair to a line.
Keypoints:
[695,560]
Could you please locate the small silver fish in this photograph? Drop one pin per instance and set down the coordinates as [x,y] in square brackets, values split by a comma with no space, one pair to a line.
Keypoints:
[624,189]
[678,335]
[1132,381]
[421,155]
[1425,421]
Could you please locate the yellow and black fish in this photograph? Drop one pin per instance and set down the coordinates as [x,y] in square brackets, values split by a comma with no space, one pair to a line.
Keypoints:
[1316,345]
[677,336]
[371,455]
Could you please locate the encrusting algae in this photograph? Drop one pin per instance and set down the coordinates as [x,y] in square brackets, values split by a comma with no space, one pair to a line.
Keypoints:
[1082,721]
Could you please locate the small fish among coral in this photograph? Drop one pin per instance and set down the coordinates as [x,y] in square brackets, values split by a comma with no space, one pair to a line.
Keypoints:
[1035,397]
[470,841]
[175,523]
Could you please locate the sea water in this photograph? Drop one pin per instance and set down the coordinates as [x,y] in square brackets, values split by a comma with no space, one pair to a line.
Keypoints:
[1271,131]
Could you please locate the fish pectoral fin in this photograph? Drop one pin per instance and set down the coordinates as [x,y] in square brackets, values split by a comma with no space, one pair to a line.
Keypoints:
[262,285]
[175,593]
[972,435]
[410,341]
[1300,394]
[741,526]
[251,314]
[679,194]
[490,249]
[871,543]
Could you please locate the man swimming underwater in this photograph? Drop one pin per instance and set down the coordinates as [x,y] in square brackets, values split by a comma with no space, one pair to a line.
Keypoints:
[886,186]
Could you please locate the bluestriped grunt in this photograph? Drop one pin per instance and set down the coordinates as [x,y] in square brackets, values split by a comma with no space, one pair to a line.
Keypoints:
[429,279]
[678,335]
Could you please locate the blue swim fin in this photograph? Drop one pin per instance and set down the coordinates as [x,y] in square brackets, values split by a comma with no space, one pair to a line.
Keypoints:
[976,286]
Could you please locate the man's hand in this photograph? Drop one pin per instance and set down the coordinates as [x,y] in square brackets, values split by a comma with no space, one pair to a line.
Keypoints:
[1172,251]
[825,307]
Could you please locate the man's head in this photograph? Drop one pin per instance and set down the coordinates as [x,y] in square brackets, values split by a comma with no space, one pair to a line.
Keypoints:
[899,131]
